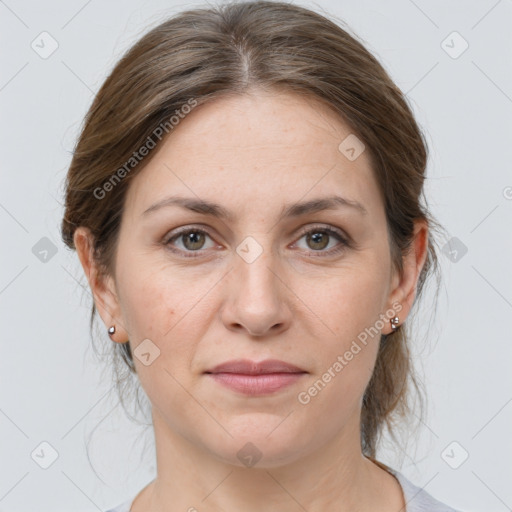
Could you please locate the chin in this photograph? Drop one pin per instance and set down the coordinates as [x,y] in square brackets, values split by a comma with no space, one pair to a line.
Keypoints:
[253,447]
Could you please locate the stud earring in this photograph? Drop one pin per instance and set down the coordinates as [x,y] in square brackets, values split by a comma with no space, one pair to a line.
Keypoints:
[394,323]
[111,330]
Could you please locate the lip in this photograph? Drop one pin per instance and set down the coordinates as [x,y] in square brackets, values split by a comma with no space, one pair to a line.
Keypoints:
[256,378]
[248,367]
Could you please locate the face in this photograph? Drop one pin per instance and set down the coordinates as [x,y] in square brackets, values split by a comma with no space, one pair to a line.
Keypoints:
[268,280]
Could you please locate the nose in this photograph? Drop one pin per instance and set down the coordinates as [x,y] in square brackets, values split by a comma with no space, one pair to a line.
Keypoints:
[257,297]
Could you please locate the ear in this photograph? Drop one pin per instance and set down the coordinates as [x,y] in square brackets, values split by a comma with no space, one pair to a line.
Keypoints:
[102,287]
[403,290]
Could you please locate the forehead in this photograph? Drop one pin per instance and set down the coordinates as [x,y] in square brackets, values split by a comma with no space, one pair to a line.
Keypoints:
[254,151]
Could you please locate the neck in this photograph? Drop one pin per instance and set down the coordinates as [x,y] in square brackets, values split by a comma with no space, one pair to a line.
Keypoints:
[333,475]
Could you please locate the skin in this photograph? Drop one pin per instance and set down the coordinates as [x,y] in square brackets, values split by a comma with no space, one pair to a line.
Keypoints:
[254,154]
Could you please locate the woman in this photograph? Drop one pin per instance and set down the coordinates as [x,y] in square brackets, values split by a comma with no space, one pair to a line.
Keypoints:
[245,200]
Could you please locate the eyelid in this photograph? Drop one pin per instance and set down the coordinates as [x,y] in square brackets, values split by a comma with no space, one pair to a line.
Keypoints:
[325,227]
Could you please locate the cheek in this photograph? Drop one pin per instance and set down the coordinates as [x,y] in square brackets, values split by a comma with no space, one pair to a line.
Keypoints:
[347,321]
[146,305]
[154,297]
[161,305]
[346,360]
[345,303]
[161,310]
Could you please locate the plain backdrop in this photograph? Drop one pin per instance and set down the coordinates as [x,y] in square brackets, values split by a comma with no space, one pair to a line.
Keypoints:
[453,61]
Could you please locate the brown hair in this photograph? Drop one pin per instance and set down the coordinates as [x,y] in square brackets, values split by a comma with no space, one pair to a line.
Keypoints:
[202,54]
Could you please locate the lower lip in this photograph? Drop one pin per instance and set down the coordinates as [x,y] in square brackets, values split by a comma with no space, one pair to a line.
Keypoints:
[256,384]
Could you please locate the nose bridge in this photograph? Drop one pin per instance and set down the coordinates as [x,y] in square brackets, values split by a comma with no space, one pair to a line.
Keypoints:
[255,268]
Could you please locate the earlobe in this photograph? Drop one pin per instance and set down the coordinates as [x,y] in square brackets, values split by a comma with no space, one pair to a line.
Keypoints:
[105,298]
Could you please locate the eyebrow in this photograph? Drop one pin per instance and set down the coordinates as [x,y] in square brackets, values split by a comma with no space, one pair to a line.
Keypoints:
[291,210]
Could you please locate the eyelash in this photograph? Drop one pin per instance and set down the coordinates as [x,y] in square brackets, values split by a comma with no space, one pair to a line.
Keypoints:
[316,229]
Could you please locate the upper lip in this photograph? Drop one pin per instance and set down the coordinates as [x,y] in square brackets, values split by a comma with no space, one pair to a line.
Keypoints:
[248,367]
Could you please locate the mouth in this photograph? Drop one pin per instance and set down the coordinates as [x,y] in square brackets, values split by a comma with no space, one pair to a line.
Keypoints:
[256,378]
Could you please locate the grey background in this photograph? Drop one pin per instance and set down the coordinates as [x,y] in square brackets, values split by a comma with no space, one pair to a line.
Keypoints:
[53,388]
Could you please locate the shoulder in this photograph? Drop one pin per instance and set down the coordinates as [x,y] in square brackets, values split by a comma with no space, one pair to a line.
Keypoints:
[417,499]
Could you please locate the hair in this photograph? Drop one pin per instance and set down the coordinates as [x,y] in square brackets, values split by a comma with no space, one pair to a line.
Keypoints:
[205,53]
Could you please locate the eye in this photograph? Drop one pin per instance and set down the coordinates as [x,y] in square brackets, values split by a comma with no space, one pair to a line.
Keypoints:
[193,240]
[318,238]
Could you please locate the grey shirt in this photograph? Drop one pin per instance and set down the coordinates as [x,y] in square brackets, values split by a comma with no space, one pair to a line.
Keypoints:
[416,499]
